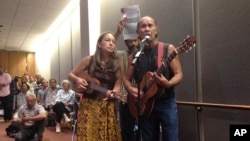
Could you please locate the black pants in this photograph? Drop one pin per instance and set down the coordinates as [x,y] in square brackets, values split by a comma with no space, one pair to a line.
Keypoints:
[7,106]
[50,120]
[127,123]
[27,133]
[59,109]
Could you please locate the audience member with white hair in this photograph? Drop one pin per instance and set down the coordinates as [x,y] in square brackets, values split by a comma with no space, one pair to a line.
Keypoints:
[64,101]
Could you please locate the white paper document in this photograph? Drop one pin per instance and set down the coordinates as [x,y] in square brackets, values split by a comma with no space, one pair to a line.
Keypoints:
[130,16]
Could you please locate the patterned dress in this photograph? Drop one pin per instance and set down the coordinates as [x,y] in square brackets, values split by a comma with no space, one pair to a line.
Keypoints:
[97,119]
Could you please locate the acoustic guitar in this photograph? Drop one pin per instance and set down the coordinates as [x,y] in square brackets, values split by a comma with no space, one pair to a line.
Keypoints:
[94,84]
[150,88]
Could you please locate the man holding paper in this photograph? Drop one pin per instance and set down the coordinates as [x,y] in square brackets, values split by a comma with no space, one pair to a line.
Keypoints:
[127,27]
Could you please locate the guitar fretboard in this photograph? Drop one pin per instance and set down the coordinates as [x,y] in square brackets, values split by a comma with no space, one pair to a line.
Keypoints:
[122,97]
[97,88]
[166,62]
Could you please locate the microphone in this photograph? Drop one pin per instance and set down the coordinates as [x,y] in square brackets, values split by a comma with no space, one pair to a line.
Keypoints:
[142,45]
[146,38]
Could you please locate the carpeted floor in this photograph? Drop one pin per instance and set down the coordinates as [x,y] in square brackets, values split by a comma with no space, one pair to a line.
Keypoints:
[49,133]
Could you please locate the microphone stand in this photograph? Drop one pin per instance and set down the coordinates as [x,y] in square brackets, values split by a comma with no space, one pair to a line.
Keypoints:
[138,54]
[138,104]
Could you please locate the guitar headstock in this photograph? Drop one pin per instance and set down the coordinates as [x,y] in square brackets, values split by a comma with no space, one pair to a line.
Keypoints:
[186,44]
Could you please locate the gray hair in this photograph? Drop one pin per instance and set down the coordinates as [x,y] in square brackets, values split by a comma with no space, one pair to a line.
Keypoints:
[65,81]
[31,95]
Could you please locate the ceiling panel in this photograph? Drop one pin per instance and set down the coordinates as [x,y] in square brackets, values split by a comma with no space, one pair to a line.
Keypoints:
[24,21]
[20,28]
[14,44]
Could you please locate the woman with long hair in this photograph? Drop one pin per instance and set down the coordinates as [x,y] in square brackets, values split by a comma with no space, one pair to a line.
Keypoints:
[97,116]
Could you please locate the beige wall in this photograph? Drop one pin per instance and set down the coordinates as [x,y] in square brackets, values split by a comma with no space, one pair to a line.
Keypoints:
[56,57]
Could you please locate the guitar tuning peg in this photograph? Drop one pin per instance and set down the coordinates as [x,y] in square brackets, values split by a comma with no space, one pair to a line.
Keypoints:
[190,48]
[186,51]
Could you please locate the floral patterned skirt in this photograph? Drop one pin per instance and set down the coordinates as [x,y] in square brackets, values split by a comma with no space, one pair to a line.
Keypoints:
[97,121]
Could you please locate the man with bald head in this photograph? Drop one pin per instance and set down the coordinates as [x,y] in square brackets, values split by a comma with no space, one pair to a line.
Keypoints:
[164,110]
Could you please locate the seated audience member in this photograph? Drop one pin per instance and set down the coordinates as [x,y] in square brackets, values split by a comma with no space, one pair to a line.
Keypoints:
[64,101]
[14,86]
[21,97]
[25,78]
[41,92]
[50,96]
[38,79]
[31,117]
[32,84]
[14,91]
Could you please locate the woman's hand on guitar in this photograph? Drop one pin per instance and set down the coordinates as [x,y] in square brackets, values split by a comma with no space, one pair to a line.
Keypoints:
[110,95]
[80,85]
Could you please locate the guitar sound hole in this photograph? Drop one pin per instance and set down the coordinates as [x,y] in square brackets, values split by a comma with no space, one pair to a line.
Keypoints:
[145,89]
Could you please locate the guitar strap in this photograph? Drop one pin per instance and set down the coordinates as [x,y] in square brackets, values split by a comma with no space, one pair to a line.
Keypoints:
[160,53]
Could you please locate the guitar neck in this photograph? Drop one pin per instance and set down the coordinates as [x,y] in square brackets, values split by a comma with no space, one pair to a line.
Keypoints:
[166,62]
[97,88]
[188,43]
[102,90]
